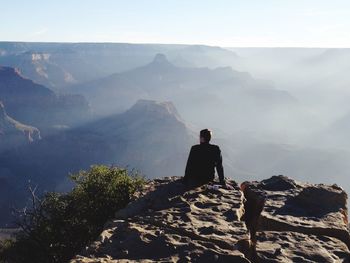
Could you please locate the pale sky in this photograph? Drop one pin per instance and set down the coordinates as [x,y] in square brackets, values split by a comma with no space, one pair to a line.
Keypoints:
[230,23]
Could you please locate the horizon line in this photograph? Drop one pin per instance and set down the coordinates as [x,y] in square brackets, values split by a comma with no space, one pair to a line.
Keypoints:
[155,43]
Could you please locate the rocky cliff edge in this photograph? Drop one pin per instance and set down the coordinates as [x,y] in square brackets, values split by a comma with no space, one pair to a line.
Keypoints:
[275,220]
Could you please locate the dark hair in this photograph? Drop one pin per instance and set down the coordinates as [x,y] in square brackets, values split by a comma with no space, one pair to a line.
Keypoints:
[206,134]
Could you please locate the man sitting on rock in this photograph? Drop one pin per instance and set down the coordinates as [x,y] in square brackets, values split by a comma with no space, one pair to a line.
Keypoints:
[202,161]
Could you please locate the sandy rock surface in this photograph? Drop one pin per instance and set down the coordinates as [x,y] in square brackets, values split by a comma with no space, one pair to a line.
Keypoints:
[171,224]
[275,220]
[290,247]
[299,222]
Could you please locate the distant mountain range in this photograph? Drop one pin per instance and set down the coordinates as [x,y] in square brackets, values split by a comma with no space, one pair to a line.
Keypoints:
[34,104]
[61,64]
[114,104]
[152,138]
[201,94]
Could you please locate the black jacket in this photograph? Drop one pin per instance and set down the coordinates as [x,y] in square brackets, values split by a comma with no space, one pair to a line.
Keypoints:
[201,163]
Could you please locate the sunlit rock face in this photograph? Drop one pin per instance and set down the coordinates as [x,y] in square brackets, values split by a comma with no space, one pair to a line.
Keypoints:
[170,223]
[299,222]
[275,220]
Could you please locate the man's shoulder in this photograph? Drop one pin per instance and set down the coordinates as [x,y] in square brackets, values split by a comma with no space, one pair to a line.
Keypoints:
[214,146]
[196,146]
[211,147]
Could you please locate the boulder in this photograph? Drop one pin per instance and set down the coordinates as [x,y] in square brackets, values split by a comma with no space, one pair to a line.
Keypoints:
[296,221]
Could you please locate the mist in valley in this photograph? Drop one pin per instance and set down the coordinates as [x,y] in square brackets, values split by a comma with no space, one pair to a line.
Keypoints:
[272,111]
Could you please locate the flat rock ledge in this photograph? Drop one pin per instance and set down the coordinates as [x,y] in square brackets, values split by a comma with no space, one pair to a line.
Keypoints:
[275,220]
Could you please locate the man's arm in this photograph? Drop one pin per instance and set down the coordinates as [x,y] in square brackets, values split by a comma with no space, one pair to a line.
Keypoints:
[220,168]
[188,166]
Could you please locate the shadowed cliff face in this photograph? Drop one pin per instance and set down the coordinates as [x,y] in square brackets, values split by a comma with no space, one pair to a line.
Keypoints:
[14,133]
[31,103]
[276,220]
[13,136]
[150,137]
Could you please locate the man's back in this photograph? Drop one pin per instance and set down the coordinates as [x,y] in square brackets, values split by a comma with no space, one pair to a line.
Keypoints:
[200,168]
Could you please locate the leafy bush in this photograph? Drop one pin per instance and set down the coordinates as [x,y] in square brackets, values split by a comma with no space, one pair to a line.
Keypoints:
[58,226]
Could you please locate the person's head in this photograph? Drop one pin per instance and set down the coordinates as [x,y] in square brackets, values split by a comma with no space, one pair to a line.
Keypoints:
[205,136]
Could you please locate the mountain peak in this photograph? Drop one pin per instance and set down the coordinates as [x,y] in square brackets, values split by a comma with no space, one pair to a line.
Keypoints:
[151,106]
[161,60]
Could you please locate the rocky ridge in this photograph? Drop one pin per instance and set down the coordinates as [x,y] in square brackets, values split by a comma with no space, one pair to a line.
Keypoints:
[14,133]
[275,220]
[37,105]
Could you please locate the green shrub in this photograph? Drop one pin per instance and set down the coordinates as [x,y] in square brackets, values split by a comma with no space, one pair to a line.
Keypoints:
[58,226]
[5,247]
